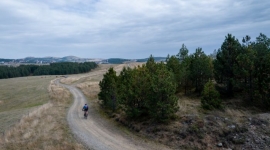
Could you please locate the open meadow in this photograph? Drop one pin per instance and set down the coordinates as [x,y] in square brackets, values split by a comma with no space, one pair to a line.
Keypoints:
[19,96]
[33,114]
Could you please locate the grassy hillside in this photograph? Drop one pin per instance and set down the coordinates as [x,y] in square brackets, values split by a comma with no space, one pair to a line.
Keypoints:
[18,96]
[33,115]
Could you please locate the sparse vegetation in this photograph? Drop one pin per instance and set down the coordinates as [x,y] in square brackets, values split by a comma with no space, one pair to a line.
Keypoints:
[19,96]
[44,127]
[238,80]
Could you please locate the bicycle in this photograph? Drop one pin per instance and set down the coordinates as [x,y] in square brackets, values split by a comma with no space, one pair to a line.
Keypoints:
[85,114]
[85,109]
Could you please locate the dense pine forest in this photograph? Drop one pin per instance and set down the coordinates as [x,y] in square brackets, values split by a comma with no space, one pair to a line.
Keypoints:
[236,69]
[62,68]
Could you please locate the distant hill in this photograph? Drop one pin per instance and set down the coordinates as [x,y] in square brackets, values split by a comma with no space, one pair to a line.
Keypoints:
[122,60]
[5,60]
[157,59]
[70,58]
[48,60]
[117,60]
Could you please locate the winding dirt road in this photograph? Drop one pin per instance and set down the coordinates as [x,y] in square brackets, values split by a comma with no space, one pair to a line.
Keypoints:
[98,133]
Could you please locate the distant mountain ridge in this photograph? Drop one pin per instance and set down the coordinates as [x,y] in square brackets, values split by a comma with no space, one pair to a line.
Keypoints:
[46,60]
[49,59]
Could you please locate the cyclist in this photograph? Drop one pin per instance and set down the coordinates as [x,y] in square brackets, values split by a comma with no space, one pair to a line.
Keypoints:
[85,109]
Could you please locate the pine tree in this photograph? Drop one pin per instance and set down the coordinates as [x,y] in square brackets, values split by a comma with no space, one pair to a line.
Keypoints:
[185,79]
[201,69]
[134,90]
[183,53]
[162,102]
[245,68]
[108,90]
[173,65]
[210,97]
[262,71]
[226,61]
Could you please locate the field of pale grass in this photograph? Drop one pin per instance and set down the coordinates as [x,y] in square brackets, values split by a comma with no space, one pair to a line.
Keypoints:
[19,96]
[89,83]
[94,75]
[45,126]
[188,106]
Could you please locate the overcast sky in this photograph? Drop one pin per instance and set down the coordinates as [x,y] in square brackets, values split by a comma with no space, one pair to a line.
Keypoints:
[124,28]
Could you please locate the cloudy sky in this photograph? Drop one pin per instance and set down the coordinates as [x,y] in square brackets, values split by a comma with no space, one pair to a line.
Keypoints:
[124,28]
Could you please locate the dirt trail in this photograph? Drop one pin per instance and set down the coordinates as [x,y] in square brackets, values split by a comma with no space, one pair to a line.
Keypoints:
[98,133]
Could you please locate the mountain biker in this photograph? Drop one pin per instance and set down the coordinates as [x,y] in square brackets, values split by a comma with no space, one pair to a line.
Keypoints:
[85,109]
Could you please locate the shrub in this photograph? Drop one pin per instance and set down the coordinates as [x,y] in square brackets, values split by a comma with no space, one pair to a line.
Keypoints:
[210,97]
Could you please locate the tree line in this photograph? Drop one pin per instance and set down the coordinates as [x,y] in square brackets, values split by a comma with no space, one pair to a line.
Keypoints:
[61,68]
[234,69]
[144,90]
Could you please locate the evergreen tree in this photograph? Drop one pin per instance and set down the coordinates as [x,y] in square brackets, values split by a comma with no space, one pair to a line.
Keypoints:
[150,64]
[173,65]
[262,71]
[226,61]
[183,53]
[200,69]
[185,79]
[134,90]
[245,69]
[145,92]
[162,102]
[108,90]
[210,97]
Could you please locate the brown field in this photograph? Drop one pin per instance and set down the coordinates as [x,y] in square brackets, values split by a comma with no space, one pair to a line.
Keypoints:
[35,117]
[19,96]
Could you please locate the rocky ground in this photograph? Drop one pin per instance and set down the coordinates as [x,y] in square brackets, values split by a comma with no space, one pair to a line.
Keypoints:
[209,131]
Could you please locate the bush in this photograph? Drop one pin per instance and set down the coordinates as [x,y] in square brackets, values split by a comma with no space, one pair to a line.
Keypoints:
[210,97]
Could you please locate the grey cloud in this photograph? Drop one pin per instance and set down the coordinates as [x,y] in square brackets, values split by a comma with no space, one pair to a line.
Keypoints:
[105,28]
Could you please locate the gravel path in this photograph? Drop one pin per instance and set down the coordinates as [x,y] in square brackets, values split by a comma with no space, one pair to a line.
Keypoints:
[98,133]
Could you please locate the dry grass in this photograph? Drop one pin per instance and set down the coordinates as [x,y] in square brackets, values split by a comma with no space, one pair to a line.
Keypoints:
[69,80]
[45,127]
[236,115]
[90,89]
[89,83]
[19,96]
[234,112]
[188,106]
[94,75]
